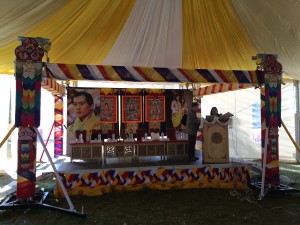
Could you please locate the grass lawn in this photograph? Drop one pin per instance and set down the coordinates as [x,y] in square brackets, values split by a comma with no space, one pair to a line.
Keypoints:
[194,206]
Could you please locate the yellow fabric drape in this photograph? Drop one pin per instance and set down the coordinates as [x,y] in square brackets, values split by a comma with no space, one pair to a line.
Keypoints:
[213,37]
[274,28]
[80,32]
[18,17]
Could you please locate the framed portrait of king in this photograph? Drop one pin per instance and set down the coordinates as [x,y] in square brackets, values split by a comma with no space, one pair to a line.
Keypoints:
[108,104]
[155,108]
[131,109]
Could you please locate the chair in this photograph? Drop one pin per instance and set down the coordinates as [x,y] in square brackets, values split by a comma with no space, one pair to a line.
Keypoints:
[140,133]
[110,132]
[82,132]
[154,130]
[171,133]
[95,133]
[77,134]
[84,135]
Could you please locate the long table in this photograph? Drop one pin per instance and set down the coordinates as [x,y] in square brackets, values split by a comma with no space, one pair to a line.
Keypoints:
[151,148]
[128,149]
[118,149]
[86,150]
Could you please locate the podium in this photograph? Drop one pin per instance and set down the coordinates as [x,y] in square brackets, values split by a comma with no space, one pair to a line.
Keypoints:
[215,142]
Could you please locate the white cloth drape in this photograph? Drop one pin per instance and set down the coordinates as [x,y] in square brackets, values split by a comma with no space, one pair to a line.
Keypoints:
[273,26]
[152,36]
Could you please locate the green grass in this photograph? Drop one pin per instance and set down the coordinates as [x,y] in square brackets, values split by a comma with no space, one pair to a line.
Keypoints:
[182,207]
[196,206]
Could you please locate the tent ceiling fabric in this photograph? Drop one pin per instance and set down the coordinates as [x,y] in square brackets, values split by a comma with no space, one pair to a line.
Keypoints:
[213,37]
[273,26]
[151,36]
[19,17]
[80,32]
[206,34]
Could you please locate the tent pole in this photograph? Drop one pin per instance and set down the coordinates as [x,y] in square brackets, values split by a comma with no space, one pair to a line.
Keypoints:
[290,136]
[7,135]
[55,171]
[263,178]
[297,118]
[47,142]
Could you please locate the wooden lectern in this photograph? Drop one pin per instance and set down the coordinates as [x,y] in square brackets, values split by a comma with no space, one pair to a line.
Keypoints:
[215,143]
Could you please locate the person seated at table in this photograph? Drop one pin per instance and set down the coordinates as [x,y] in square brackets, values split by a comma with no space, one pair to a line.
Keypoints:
[214,112]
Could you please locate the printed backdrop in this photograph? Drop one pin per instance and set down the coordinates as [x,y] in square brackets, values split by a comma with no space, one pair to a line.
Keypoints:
[83,110]
[178,102]
[169,108]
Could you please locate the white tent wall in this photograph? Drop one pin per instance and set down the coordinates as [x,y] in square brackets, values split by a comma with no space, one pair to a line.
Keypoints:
[47,119]
[287,150]
[239,103]
[244,134]
[4,112]
[297,117]
[7,150]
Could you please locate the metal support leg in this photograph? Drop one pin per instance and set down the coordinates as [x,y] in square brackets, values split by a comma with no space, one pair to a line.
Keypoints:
[12,203]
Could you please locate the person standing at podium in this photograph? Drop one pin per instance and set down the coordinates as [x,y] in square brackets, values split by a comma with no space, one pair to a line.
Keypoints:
[214,112]
[193,123]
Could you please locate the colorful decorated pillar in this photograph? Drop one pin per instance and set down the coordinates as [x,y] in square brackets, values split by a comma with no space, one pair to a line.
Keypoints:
[270,114]
[27,116]
[58,126]
[199,138]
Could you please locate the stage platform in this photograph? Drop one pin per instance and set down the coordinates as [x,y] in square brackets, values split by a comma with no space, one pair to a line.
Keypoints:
[94,177]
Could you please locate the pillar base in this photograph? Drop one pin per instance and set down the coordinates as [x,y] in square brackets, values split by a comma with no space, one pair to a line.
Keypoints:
[270,189]
[37,202]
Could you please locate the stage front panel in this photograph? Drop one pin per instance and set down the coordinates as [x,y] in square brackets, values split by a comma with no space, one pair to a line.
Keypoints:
[98,182]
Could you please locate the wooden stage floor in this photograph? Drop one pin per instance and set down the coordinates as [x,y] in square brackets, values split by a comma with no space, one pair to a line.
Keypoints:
[139,163]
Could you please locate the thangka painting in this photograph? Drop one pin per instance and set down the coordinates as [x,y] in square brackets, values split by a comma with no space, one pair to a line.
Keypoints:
[108,105]
[131,109]
[155,108]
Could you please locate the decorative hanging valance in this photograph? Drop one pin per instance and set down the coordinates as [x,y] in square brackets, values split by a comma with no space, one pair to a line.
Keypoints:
[52,86]
[218,88]
[150,74]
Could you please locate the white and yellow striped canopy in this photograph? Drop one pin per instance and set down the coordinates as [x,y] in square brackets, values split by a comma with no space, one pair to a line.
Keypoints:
[208,34]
